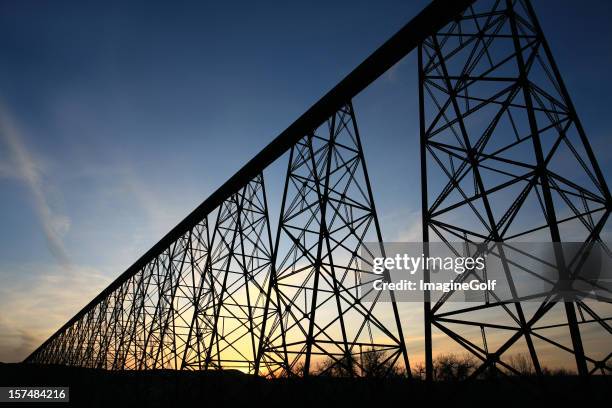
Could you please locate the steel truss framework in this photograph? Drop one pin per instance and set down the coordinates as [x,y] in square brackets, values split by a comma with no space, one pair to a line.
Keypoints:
[219,297]
[499,128]
[222,291]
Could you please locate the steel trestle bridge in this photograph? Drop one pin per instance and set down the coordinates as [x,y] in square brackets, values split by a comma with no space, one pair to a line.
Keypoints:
[228,288]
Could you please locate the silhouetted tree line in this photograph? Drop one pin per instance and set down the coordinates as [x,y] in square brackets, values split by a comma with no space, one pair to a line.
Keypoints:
[447,367]
[454,367]
[370,364]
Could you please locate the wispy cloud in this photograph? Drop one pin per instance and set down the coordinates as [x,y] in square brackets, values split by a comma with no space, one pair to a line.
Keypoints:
[15,344]
[159,212]
[402,225]
[38,303]
[24,167]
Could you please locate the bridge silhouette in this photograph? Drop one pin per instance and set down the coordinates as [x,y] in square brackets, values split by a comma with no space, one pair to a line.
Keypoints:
[222,290]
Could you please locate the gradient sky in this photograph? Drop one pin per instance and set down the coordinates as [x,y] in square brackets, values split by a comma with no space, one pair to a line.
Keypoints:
[118,118]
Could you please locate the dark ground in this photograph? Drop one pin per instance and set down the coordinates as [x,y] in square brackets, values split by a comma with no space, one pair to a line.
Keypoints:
[161,388]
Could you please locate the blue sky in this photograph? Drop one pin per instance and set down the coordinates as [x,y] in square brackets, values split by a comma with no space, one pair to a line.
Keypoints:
[118,118]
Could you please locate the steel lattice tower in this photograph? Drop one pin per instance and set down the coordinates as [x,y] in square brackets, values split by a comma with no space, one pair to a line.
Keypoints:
[327,212]
[499,129]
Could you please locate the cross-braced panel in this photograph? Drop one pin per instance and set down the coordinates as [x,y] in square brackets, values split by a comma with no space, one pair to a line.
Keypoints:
[322,325]
[143,324]
[199,304]
[505,158]
[231,301]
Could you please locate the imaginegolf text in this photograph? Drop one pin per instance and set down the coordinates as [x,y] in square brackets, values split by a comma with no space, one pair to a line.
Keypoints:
[437,286]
